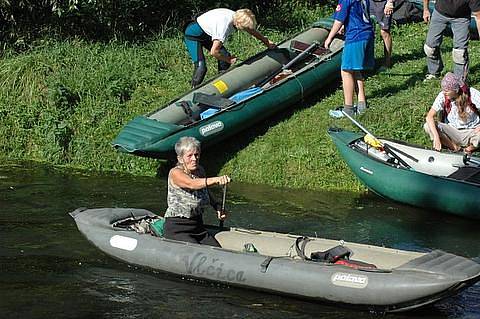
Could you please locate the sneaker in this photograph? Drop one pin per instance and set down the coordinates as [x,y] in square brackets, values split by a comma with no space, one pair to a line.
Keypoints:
[337,113]
[360,110]
[429,77]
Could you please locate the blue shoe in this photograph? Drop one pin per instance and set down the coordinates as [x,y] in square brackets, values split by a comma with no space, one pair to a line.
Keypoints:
[337,114]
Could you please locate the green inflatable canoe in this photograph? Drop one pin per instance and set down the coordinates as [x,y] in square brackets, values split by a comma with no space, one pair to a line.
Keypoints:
[229,103]
[447,182]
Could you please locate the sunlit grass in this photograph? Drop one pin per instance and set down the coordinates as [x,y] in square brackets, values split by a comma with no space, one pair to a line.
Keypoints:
[64,102]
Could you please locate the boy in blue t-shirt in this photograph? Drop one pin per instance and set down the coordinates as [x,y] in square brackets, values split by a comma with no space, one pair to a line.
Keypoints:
[358,51]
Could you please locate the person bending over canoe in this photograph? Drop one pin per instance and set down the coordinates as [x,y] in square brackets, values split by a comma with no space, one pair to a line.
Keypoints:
[460,125]
[188,196]
[210,30]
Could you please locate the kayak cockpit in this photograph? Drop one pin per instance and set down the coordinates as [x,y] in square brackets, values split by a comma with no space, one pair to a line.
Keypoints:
[277,245]
[442,164]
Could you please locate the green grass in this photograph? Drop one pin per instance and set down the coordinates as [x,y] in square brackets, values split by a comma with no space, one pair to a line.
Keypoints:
[64,102]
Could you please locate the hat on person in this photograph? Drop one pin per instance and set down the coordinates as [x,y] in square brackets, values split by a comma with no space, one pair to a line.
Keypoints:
[451,82]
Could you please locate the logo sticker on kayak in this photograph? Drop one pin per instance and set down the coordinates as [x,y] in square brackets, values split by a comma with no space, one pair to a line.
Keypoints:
[349,280]
[211,128]
[220,86]
[122,242]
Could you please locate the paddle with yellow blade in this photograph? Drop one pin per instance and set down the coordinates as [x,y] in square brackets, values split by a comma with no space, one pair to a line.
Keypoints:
[371,140]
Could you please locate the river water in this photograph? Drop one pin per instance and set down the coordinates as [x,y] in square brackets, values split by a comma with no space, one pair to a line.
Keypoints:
[48,269]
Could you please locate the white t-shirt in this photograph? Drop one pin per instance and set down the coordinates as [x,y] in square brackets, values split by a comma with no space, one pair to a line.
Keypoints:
[454,120]
[217,23]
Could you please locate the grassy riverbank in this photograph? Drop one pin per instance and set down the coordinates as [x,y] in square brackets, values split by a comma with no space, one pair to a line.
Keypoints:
[64,102]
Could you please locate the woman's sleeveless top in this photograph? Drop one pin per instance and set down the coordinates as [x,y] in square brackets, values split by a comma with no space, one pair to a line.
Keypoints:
[183,202]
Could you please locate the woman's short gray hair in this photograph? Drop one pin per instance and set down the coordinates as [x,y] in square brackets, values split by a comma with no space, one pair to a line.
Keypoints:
[185,144]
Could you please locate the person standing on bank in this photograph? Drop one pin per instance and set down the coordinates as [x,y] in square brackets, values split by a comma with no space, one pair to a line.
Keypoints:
[457,14]
[210,30]
[383,10]
[188,196]
[358,52]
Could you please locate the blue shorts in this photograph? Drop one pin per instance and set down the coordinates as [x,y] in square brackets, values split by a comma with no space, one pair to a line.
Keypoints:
[358,56]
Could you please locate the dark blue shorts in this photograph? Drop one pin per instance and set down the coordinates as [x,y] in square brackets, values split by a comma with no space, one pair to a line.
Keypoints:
[377,9]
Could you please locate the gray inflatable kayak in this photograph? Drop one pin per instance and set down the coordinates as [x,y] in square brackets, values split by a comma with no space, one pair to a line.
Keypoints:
[359,275]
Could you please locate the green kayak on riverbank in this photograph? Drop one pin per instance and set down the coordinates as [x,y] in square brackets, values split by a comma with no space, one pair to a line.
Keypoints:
[247,94]
[434,180]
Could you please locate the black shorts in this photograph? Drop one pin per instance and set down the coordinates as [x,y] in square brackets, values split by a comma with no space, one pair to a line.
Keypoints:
[377,9]
[188,229]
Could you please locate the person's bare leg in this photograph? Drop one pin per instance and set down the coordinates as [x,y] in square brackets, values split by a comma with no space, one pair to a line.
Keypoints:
[446,141]
[348,87]
[387,47]
[362,99]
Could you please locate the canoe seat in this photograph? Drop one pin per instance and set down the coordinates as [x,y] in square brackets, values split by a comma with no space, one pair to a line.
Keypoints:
[268,245]
[299,46]
[468,174]
[211,100]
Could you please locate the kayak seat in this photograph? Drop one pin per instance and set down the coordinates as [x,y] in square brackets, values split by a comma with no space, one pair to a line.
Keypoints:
[276,246]
[299,46]
[210,103]
[211,100]
[468,174]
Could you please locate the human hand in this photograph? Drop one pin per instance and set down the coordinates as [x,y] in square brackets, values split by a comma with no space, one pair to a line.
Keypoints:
[327,43]
[477,129]
[222,215]
[437,145]
[426,16]
[388,10]
[223,180]
[232,59]
[271,45]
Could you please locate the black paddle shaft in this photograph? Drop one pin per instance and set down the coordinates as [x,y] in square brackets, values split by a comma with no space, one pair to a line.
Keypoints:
[388,149]
[223,204]
[287,66]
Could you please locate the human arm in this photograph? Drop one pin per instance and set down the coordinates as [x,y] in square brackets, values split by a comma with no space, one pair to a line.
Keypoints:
[477,20]
[183,180]
[426,11]
[337,25]
[255,33]
[430,119]
[388,10]
[217,54]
